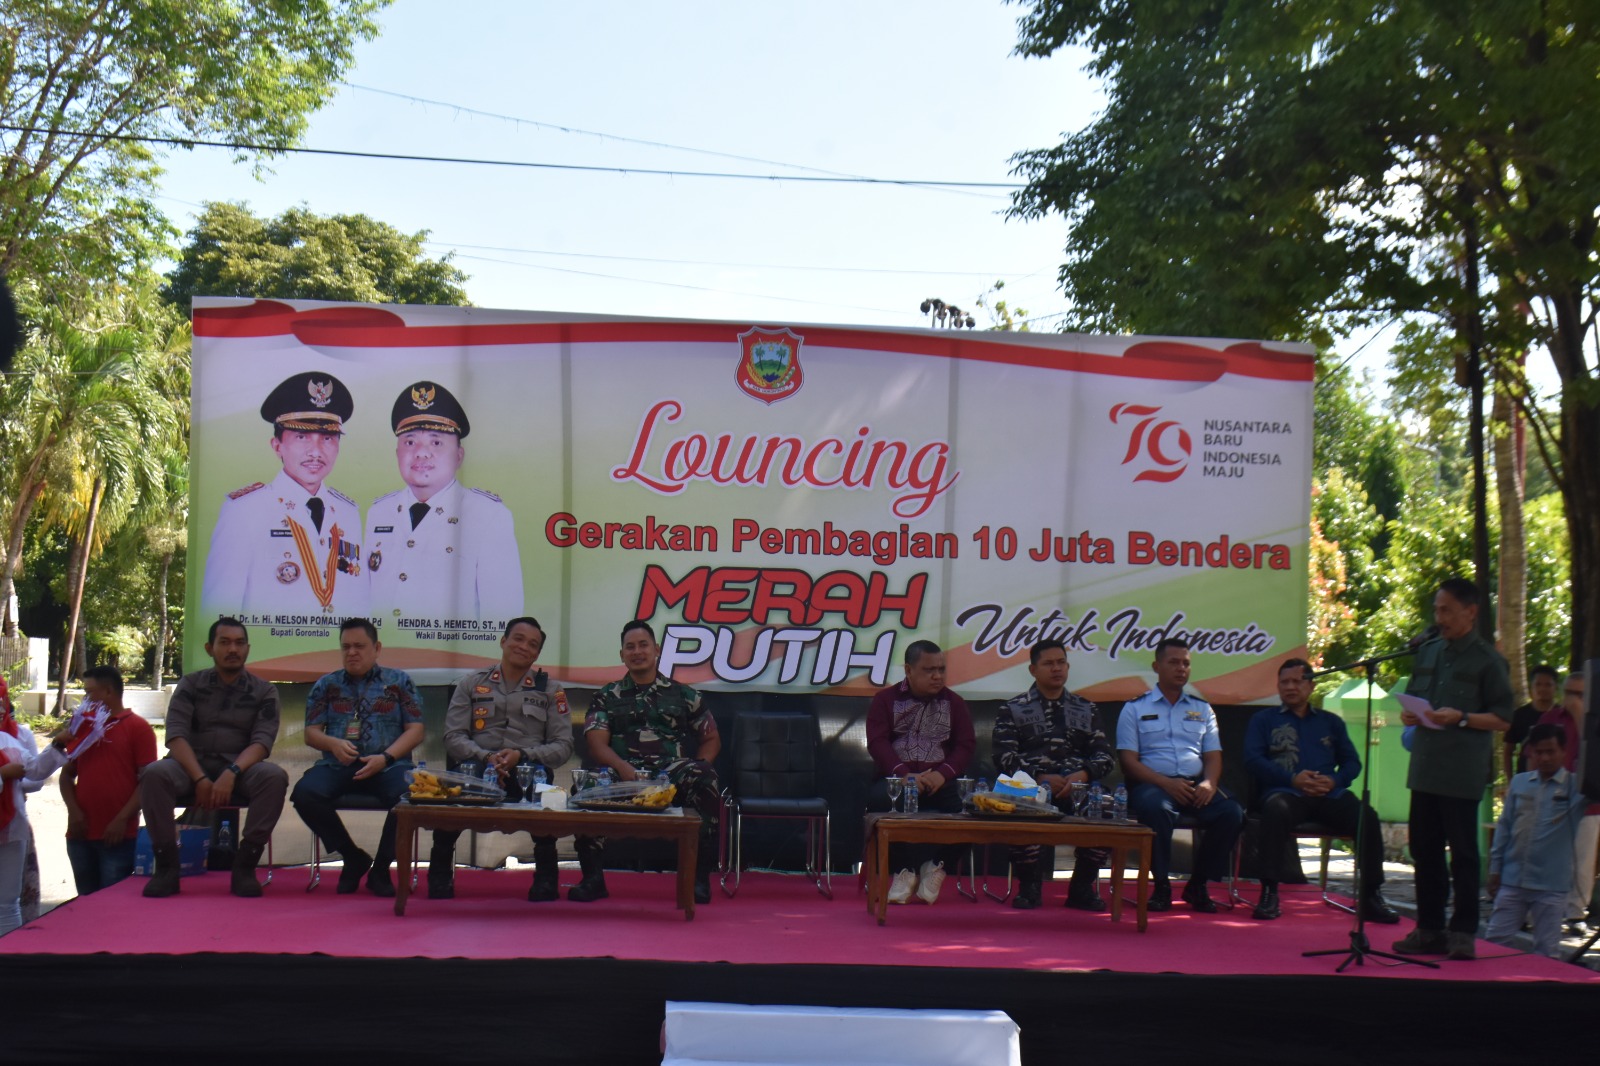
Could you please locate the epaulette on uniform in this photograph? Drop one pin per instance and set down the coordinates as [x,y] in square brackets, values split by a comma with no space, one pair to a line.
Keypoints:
[486,492]
[336,494]
[386,497]
[247,490]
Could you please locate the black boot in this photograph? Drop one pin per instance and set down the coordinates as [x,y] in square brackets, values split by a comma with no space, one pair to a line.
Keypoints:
[164,882]
[442,870]
[244,870]
[593,886]
[705,860]
[546,872]
[1083,893]
[1030,886]
[1268,908]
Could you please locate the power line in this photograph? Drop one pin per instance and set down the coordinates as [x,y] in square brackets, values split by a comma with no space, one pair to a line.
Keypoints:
[182,142]
[715,262]
[683,285]
[619,138]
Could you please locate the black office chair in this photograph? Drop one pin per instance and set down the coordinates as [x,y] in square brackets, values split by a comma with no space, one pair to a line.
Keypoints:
[775,776]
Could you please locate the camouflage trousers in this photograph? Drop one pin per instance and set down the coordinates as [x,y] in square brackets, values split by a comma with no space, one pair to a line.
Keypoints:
[698,790]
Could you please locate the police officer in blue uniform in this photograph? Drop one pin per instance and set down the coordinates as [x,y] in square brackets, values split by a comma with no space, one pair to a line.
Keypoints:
[1171,756]
[292,546]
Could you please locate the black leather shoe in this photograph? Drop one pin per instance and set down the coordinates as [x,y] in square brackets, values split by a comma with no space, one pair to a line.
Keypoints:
[1268,908]
[702,888]
[1195,895]
[379,884]
[1374,908]
[543,891]
[356,866]
[1160,897]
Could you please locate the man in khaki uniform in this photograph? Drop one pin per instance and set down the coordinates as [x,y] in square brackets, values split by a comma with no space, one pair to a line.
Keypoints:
[502,716]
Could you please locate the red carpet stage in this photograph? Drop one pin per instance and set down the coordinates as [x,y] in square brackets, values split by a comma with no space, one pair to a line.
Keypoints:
[322,966]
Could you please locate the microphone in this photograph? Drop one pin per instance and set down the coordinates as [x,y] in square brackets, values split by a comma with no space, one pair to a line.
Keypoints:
[1422,638]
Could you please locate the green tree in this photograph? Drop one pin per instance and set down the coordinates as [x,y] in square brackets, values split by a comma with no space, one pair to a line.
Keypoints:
[81,81]
[86,416]
[1287,169]
[306,256]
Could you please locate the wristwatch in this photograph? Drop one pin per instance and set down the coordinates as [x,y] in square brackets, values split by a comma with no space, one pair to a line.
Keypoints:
[1462,724]
[388,760]
[233,768]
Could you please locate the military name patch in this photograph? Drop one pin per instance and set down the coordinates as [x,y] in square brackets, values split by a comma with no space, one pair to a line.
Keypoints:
[282,533]
[383,529]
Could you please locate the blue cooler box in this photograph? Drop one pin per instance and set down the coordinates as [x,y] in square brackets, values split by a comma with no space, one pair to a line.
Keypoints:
[194,844]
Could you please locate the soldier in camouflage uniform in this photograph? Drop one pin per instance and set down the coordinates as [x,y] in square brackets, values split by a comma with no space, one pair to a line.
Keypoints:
[639,726]
[1057,738]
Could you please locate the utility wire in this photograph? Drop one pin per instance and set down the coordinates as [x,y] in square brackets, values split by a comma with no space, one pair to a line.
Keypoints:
[716,262]
[520,121]
[184,142]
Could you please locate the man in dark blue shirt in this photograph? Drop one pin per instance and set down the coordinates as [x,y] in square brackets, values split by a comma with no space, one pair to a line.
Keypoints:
[1303,763]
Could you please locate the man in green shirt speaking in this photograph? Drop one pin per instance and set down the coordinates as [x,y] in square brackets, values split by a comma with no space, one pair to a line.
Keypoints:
[1468,686]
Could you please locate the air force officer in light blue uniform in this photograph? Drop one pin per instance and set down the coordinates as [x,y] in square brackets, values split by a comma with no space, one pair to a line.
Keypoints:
[1171,755]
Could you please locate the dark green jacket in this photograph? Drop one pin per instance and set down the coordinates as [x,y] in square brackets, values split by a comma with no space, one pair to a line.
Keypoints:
[1468,675]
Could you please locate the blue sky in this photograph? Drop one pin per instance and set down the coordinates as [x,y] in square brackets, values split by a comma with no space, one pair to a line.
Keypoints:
[895,90]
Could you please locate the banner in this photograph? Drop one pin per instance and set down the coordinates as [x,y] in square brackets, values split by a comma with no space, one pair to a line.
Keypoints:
[788,505]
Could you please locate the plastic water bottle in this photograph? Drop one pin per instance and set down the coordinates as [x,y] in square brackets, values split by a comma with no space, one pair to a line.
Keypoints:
[603,778]
[1119,803]
[911,794]
[1096,801]
[539,776]
[982,785]
[225,837]
[663,778]
[422,764]
[491,775]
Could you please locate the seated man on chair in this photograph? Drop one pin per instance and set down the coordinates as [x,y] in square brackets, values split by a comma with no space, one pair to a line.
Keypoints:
[1057,739]
[221,724]
[1303,762]
[920,730]
[365,719]
[638,727]
[1172,758]
[503,716]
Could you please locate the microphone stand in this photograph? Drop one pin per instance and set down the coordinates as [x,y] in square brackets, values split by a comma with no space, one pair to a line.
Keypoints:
[1360,947]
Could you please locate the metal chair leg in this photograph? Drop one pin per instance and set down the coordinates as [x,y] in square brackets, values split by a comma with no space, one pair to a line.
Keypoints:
[737,865]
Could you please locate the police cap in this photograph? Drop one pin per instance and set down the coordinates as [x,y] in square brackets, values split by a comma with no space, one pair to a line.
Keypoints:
[430,406]
[312,402]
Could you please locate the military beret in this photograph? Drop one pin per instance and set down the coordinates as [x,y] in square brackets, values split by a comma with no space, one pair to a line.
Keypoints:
[312,402]
[429,405]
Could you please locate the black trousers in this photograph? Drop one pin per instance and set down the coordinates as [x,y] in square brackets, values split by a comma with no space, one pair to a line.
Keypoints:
[1344,813]
[1438,822]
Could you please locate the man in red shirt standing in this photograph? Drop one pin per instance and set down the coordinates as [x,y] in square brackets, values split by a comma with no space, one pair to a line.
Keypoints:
[101,788]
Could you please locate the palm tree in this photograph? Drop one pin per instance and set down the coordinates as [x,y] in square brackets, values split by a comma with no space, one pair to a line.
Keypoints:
[85,418]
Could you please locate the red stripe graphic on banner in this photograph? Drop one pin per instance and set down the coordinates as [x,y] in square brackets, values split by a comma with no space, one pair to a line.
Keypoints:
[359,326]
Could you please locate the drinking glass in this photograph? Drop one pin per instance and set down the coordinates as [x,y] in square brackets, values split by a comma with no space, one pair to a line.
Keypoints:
[470,768]
[524,780]
[896,786]
[1080,793]
[964,788]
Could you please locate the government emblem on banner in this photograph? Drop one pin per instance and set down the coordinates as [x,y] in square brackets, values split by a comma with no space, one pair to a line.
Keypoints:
[769,364]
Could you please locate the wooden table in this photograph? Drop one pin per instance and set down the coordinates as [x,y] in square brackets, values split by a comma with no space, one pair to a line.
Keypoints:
[682,828]
[1121,837]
